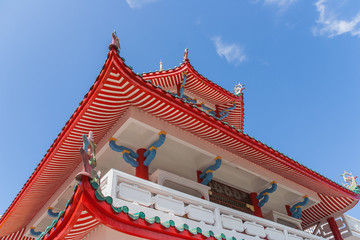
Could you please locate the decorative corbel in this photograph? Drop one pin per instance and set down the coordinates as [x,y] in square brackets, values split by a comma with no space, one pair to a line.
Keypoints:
[207,174]
[142,158]
[182,86]
[51,213]
[129,155]
[224,113]
[296,209]
[151,151]
[209,110]
[263,197]
[34,233]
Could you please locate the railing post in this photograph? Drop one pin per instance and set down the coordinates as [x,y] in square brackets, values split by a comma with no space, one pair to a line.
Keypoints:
[334,228]
[217,217]
[286,234]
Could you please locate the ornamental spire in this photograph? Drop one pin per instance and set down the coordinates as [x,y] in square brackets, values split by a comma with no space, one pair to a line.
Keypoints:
[186,54]
[161,67]
[115,42]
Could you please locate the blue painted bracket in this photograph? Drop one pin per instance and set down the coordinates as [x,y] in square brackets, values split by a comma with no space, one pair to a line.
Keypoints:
[187,98]
[51,213]
[209,110]
[207,174]
[263,196]
[296,208]
[34,233]
[224,113]
[129,155]
[150,153]
[182,87]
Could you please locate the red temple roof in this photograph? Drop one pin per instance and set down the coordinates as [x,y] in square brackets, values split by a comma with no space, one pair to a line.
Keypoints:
[114,91]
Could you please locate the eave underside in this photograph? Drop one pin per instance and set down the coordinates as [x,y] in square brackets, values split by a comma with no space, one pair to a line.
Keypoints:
[113,93]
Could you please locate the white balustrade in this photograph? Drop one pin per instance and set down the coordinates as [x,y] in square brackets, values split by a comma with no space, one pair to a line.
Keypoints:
[169,204]
[199,213]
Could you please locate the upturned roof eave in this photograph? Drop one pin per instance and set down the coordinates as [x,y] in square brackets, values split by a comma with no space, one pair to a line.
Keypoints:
[113,56]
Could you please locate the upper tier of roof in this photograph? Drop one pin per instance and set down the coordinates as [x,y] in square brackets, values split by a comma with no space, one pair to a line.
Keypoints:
[202,89]
[114,91]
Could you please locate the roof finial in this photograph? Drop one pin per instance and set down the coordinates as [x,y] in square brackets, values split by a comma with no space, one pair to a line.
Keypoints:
[186,54]
[115,42]
[161,68]
[238,89]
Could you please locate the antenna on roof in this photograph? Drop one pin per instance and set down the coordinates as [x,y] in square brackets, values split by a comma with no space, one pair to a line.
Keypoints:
[115,42]
[161,68]
[186,54]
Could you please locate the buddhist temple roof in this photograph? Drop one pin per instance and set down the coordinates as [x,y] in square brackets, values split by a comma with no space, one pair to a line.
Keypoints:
[115,90]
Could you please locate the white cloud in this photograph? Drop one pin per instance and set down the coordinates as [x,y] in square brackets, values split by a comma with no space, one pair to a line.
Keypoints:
[329,24]
[139,3]
[279,3]
[282,5]
[233,53]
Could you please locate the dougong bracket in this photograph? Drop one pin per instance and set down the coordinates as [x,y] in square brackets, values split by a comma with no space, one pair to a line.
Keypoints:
[129,155]
[207,174]
[224,113]
[296,209]
[34,233]
[151,150]
[51,213]
[182,86]
[263,196]
[209,110]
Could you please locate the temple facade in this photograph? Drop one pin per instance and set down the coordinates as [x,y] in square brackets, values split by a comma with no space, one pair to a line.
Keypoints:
[164,155]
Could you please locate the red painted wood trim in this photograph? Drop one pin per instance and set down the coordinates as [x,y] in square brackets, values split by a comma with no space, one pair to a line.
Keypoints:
[334,228]
[142,171]
[287,207]
[255,203]
[85,199]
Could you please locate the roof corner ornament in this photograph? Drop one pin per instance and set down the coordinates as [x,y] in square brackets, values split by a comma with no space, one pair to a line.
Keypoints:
[186,54]
[161,66]
[115,42]
[207,174]
[238,89]
[351,180]
[87,152]
[263,197]
[295,210]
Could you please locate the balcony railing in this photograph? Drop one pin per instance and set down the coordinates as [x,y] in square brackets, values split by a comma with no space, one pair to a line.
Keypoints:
[349,228]
[169,204]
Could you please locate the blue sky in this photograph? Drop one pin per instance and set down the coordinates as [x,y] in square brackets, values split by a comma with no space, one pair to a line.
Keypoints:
[299,61]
